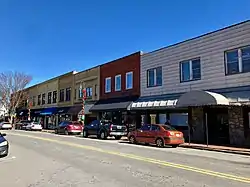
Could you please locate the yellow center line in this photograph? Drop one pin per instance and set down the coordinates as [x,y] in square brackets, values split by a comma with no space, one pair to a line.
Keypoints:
[144,159]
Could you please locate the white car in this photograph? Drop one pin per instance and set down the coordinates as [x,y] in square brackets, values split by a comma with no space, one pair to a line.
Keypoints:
[34,126]
[5,125]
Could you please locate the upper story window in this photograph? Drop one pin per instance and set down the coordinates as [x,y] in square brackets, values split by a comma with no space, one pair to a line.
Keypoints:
[80,94]
[54,96]
[154,77]
[118,83]
[96,90]
[108,85]
[49,97]
[75,93]
[43,99]
[39,99]
[34,101]
[89,92]
[129,80]
[68,94]
[238,60]
[61,96]
[190,70]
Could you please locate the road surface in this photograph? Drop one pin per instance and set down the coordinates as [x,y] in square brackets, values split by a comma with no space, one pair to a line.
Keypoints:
[46,160]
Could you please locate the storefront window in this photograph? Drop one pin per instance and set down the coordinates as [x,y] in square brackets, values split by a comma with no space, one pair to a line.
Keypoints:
[179,119]
[162,118]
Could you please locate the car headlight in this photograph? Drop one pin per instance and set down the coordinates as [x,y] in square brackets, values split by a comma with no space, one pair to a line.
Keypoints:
[3,143]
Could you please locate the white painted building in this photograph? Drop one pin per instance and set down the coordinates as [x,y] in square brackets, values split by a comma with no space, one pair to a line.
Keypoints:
[209,70]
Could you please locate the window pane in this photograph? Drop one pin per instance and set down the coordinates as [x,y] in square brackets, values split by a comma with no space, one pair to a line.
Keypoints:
[159,76]
[185,71]
[196,68]
[146,127]
[179,119]
[246,59]
[129,80]
[151,78]
[118,83]
[232,62]
[108,85]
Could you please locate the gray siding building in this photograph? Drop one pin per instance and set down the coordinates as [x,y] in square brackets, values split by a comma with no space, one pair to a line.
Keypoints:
[201,82]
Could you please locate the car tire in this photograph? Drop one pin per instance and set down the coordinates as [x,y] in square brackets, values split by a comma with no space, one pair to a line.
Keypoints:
[103,135]
[118,137]
[174,146]
[85,134]
[56,131]
[132,139]
[159,142]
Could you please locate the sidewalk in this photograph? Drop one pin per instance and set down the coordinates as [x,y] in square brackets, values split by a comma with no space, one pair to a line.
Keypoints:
[48,130]
[234,150]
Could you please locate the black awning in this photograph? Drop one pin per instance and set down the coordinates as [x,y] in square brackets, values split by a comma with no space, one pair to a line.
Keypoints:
[62,110]
[23,112]
[113,104]
[75,110]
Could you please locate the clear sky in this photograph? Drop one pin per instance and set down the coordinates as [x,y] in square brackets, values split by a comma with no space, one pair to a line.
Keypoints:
[46,38]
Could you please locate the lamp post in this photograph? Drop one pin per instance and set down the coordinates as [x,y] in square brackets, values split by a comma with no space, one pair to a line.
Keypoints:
[84,97]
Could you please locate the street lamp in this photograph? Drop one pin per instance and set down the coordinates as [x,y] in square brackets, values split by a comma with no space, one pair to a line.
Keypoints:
[84,97]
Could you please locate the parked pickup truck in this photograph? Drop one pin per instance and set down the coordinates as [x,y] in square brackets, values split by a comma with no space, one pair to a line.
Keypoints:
[103,129]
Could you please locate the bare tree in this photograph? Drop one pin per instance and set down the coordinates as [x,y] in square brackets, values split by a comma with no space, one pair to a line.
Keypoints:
[12,90]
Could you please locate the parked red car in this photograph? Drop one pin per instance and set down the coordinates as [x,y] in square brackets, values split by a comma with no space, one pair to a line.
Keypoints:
[158,134]
[69,127]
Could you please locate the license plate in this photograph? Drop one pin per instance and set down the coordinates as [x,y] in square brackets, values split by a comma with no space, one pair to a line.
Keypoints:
[178,135]
[119,127]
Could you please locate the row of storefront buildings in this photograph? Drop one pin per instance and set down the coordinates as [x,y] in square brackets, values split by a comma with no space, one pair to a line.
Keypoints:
[202,85]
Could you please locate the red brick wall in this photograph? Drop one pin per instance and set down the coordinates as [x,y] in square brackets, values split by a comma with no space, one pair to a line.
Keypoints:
[121,66]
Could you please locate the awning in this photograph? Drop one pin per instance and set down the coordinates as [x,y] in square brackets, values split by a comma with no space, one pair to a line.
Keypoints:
[23,112]
[153,104]
[62,110]
[36,112]
[75,110]
[48,111]
[86,109]
[201,98]
[112,104]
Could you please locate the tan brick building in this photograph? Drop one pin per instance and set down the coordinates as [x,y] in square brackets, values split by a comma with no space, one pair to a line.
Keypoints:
[89,79]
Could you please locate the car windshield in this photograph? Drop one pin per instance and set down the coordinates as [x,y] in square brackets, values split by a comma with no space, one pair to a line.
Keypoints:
[168,128]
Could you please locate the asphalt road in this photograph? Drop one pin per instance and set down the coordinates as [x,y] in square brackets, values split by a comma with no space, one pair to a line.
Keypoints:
[46,160]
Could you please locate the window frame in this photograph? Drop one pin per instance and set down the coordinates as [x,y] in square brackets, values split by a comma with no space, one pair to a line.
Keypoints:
[132,85]
[39,97]
[155,77]
[191,78]
[43,99]
[117,76]
[68,94]
[106,80]
[240,60]
[49,98]
[54,96]
[61,99]
[88,91]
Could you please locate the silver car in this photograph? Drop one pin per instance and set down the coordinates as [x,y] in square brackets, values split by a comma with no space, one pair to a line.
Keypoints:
[5,126]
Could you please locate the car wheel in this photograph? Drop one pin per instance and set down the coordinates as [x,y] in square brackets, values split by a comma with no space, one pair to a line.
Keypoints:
[85,134]
[103,135]
[159,142]
[174,146]
[66,132]
[132,139]
[118,137]
[56,131]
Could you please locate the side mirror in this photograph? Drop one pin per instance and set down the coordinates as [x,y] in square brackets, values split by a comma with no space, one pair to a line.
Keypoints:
[3,134]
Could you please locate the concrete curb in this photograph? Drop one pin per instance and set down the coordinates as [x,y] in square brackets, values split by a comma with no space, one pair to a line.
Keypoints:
[246,153]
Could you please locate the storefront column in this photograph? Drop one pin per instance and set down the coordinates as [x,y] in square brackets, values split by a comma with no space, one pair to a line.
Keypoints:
[236,126]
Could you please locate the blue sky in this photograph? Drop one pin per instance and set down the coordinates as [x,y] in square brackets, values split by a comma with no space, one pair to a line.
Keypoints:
[47,38]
